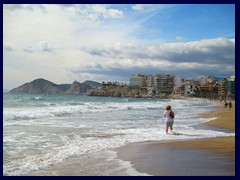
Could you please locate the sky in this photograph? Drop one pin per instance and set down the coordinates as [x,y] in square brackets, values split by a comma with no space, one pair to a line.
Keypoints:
[68,42]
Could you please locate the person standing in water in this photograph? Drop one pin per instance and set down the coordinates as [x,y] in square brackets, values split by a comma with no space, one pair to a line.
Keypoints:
[169,115]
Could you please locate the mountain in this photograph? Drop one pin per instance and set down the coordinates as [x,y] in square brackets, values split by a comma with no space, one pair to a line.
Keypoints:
[45,86]
[78,88]
[93,84]
[38,86]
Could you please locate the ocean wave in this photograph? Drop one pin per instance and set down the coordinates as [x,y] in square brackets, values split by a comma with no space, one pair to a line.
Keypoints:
[68,109]
[75,108]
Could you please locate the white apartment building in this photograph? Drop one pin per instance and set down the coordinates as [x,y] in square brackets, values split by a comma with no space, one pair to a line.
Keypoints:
[150,81]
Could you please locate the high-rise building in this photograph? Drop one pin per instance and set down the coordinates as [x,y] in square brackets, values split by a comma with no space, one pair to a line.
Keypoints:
[138,80]
[150,81]
[231,85]
[222,90]
[164,83]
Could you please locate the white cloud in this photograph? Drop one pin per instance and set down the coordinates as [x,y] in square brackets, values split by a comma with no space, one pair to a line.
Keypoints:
[152,7]
[45,47]
[28,49]
[138,7]
[114,13]
[107,13]
[8,48]
[29,7]
[141,7]
[179,38]
[13,7]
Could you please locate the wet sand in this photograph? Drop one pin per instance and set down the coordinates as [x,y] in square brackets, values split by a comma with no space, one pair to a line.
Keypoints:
[203,157]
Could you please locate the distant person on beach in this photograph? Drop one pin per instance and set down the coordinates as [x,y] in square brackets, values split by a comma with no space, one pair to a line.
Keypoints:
[169,118]
[226,105]
[230,105]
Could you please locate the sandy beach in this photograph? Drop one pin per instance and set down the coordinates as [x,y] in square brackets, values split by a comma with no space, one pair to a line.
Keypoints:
[203,157]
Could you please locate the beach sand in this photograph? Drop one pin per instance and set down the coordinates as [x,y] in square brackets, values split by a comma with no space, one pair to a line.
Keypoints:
[203,157]
[226,117]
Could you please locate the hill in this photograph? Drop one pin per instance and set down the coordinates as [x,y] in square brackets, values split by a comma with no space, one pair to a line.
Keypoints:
[45,86]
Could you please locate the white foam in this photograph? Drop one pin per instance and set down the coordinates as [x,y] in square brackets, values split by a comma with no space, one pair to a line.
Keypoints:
[63,110]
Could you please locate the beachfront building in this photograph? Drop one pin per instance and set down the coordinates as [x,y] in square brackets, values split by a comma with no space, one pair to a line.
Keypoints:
[150,85]
[135,80]
[164,83]
[210,90]
[212,79]
[205,88]
[222,88]
[192,87]
[231,86]
[226,88]
[188,87]
[150,81]
[201,79]
[138,80]
[183,89]
[177,85]
[144,81]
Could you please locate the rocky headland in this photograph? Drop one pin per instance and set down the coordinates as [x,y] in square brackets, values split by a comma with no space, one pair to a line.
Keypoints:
[114,90]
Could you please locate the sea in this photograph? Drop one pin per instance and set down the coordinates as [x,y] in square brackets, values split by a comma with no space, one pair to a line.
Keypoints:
[79,134]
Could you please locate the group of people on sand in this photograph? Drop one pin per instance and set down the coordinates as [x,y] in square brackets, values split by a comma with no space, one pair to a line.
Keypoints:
[229,105]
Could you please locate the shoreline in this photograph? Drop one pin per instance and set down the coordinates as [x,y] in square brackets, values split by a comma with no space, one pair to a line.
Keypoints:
[172,158]
[156,158]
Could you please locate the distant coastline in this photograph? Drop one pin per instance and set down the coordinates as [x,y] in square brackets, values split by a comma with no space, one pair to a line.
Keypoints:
[92,88]
[44,86]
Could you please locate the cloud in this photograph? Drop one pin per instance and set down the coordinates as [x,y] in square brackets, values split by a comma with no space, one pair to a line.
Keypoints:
[45,47]
[28,49]
[8,48]
[94,12]
[142,7]
[13,7]
[138,7]
[107,13]
[178,38]
[152,7]
[196,51]
[203,57]
[29,7]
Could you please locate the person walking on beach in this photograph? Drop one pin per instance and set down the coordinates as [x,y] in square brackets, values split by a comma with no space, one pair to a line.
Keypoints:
[230,105]
[225,105]
[169,115]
